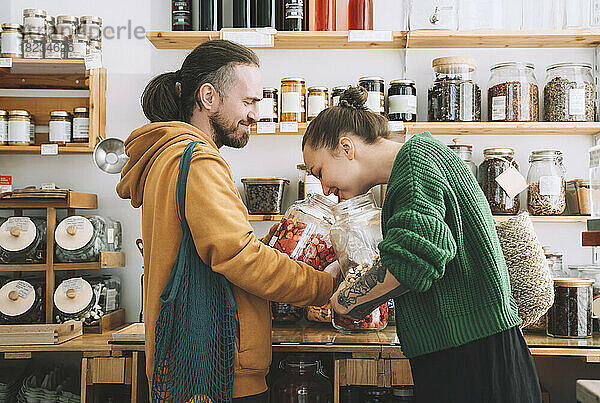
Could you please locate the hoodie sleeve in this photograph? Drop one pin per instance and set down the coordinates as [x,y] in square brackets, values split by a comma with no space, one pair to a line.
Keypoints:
[225,240]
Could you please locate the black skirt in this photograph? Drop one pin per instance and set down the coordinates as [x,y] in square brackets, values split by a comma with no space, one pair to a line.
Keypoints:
[495,369]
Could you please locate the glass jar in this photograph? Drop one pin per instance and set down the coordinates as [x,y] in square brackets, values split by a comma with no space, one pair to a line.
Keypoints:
[50,25]
[513,93]
[19,129]
[23,240]
[323,15]
[376,395]
[555,263]
[293,94]
[268,107]
[301,380]
[94,47]
[496,161]
[91,27]
[81,125]
[336,93]
[33,46]
[303,234]
[571,314]
[376,93]
[579,197]
[22,302]
[569,93]
[293,14]
[591,272]
[3,127]
[77,46]
[402,101]
[56,47]
[360,14]
[60,128]
[403,394]
[355,236]
[434,14]
[12,40]
[81,239]
[66,25]
[34,21]
[465,153]
[454,96]
[319,314]
[318,100]
[32,130]
[546,194]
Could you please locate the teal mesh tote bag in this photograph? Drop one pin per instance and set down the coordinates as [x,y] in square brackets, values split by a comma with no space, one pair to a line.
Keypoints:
[195,330]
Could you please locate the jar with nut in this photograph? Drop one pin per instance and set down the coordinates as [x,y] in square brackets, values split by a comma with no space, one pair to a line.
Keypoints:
[496,161]
[570,93]
[547,187]
[513,94]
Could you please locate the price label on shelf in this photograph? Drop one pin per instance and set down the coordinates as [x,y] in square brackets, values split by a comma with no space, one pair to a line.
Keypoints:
[288,127]
[49,149]
[93,61]
[255,37]
[5,62]
[48,186]
[396,126]
[266,127]
[370,36]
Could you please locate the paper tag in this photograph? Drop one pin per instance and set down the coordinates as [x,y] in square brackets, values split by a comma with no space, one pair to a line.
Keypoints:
[72,284]
[577,101]
[402,104]
[550,185]
[374,101]
[291,102]
[370,36]
[255,37]
[49,149]
[266,127]
[110,235]
[48,186]
[466,102]
[5,184]
[288,127]
[512,182]
[23,288]
[21,222]
[6,62]
[396,126]
[78,222]
[93,61]
[265,108]
[499,108]
[111,299]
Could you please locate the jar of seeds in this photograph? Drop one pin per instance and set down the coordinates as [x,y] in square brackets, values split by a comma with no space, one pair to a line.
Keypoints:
[496,161]
[547,186]
[569,94]
[56,47]
[454,96]
[513,94]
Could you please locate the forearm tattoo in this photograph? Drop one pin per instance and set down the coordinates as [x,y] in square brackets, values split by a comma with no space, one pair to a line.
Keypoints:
[362,286]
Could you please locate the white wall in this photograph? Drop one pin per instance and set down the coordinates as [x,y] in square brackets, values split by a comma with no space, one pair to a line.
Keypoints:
[132,62]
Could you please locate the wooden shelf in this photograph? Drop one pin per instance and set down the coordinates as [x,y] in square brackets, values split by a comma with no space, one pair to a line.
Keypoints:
[266,217]
[23,267]
[548,219]
[108,260]
[416,39]
[45,66]
[75,200]
[84,149]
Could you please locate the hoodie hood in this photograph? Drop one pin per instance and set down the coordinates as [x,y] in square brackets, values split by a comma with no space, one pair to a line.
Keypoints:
[144,146]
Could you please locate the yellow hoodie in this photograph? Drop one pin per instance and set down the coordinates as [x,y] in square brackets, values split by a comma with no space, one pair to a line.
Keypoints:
[224,240]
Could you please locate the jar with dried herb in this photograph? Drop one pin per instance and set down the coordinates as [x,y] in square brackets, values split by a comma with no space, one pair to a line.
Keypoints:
[454,96]
[569,93]
[496,161]
[513,94]
[571,314]
[547,187]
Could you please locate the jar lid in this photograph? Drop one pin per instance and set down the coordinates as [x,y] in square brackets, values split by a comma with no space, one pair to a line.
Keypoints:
[79,37]
[402,81]
[498,151]
[18,113]
[354,204]
[3,112]
[293,79]
[67,18]
[80,110]
[17,236]
[12,303]
[583,182]
[73,296]
[512,64]
[454,61]
[370,78]
[86,19]
[12,26]
[568,65]
[340,88]
[34,11]
[51,19]
[317,88]
[265,181]
[404,392]
[573,282]
[74,233]
[59,114]
[457,144]
[57,37]
[270,89]
[33,35]
[538,155]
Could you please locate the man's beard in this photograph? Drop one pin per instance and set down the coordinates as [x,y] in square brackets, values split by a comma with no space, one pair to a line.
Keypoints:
[227,133]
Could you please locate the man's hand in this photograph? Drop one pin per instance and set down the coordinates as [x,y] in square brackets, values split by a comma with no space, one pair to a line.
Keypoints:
[268,237]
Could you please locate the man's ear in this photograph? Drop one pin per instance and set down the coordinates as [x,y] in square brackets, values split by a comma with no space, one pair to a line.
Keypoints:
[347,148]
[206,97]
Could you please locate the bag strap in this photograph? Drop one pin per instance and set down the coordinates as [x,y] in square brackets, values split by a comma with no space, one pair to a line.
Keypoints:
[184,169]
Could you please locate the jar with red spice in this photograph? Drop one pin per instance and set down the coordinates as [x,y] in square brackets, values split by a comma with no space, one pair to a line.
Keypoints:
[303,234]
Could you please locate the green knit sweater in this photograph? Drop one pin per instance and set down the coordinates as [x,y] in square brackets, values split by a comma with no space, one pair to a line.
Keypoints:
[440,241]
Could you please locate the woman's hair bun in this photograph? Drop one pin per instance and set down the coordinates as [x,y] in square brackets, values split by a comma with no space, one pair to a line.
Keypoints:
[354,97]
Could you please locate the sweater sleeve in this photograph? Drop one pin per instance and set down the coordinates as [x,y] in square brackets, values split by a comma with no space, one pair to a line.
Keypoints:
[418,243]
[225,241]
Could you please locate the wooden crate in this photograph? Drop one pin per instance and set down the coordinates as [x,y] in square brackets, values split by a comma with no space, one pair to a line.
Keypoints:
[108,322]
[18,335]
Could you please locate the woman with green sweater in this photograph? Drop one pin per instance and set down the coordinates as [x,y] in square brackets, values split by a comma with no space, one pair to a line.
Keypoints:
[458,322]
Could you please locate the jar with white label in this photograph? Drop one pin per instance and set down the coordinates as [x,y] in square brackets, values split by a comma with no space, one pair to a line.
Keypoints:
[376,93]
[34,21]
[496,162]
[3,128]
[81,239]
[513,94]
[94,47]
[67,25]
[77,46]
[569,93]
[50,25]
[19,123]
[60,127]
[402,101]
[318,100]
[546,194]
[81,125]
[23,240]
[22,301]
[293,94]
[33,46]
[91,27]
[12,40]
[268,107]
[336,94]
[56,47]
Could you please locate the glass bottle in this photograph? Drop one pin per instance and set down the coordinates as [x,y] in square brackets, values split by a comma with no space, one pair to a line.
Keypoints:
[465,152]
[546,194]
[241,13]
[324,15]
[181,11]
[360,14]
[301,381]
[209,13]
[496,161]
[263,13]
[293,15]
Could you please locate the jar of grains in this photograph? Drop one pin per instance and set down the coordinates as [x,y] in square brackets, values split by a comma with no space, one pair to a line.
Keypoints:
[50,25]
[336,93]
[318,100]
[56,47]
[402,101]
[81,125]
[91,27]
[268,107]
[496,161]
[546,194]
[77,46]
[454,96]
[293,94]
[3,127]
[67,25]
[19,130]
[513,93]
[12,40]
[33,46]
[569,93]
[60,127]
[34,21]
[376,93]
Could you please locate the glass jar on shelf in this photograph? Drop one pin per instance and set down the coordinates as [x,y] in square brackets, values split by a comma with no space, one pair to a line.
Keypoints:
[81,239]
[23,240]
[360,14]
[301,380]
[546,194]
[402,101]
[513,94]
[336,93]
[465,153]
[293,95]
[454,96]
[22,301]
[555,263]
[571,314]
[375,87]
[569,93]
[496,161]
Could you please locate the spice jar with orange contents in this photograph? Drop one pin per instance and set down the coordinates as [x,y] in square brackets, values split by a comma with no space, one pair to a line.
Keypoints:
[293,95]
